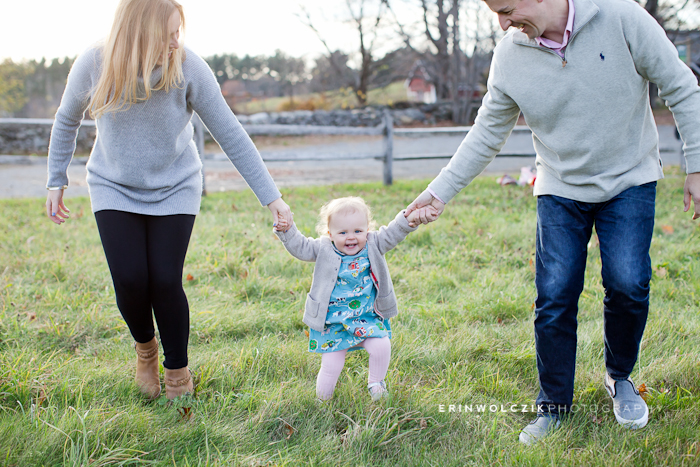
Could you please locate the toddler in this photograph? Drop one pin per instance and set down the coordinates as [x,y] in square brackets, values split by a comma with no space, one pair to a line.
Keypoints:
[352,296]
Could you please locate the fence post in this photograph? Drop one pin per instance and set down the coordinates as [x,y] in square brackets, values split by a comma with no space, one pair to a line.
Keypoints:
[388,147]
[199,141]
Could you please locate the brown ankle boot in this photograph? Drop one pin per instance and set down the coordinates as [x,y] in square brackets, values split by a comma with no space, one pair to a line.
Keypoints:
[178,383]
[147,368]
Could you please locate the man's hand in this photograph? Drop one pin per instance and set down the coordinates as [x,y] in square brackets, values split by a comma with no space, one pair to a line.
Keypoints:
[691,190]
[424,216]
[427,214]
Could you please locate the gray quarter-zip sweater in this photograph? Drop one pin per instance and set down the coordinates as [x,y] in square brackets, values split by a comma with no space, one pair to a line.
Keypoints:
[144,160]
[592,125]
[328,262]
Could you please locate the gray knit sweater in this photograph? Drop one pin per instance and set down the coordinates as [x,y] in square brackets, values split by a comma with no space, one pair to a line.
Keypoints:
[144,160]
[592,125]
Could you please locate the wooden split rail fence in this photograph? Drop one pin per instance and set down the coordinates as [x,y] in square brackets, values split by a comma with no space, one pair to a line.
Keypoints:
[386,129]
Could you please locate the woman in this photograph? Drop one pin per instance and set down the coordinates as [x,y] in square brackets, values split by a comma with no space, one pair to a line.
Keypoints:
[144,173]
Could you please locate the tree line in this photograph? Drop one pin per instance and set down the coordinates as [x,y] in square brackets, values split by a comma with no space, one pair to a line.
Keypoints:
[452,40]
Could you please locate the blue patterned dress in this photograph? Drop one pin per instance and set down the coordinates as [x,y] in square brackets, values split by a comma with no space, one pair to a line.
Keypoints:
[351,317]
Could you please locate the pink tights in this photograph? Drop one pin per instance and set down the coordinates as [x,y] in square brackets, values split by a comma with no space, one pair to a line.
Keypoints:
[332,364]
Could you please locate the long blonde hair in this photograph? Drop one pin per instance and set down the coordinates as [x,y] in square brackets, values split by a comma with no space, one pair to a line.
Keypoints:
[138,39]
[343,205]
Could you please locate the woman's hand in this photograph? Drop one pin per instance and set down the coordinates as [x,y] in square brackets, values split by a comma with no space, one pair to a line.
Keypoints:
[55,209]
[281,213]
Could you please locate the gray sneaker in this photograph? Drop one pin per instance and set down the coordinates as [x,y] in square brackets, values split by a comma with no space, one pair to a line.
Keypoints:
[540,427]
[630,409]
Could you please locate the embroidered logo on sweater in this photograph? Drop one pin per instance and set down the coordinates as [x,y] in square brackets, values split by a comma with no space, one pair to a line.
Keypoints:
[602,57]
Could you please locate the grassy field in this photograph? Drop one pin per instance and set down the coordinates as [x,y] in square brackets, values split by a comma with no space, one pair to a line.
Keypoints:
[463,337]
[339,99]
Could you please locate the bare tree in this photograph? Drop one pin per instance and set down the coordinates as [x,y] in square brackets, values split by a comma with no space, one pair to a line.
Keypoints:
[480,35]
[441,41]
[368,30]
[458,37]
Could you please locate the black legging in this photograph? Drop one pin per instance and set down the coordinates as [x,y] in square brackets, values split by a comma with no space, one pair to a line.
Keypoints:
[146,255]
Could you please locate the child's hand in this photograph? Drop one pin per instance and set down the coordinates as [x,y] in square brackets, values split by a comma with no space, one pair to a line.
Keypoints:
[428,212]
[282,225]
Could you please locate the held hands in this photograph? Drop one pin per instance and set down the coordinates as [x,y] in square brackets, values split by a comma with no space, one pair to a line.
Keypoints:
[423,216]
[424,209]
[281,225]
[55,209]
[282,215]
[691,190]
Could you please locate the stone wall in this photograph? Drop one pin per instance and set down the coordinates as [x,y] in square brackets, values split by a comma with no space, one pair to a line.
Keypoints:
[370,116]
[19,136]
[31,136]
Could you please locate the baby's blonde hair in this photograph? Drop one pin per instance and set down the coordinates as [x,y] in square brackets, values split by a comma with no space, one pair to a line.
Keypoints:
[343,205]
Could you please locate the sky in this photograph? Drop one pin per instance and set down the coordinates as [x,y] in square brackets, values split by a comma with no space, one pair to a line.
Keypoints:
[31,29]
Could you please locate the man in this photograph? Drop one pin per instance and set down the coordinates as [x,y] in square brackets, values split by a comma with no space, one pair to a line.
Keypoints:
[579,71]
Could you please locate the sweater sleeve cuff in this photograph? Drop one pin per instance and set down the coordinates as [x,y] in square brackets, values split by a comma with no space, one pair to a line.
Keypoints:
[284,236]
[435,195]
[401,220]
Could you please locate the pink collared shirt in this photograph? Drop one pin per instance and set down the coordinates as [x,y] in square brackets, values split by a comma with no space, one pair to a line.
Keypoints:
[557,47]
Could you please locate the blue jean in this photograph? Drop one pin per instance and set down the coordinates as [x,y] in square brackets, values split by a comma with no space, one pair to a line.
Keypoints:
[624,226]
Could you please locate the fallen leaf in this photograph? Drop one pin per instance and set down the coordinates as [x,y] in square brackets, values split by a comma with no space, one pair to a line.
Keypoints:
[306,332]
[667,229]
[643,391]
[31,316]
[423,424]
[185,413]
[596,419]
[532,265]
[190,277]
[289,428]
[661,272]
[234,207]
[244,274]
[500,321]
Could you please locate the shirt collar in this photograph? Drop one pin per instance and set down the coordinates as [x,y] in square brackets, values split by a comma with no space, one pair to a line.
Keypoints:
[567,32]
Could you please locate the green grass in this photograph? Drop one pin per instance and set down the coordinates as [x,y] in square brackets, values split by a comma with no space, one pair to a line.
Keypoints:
[463,336]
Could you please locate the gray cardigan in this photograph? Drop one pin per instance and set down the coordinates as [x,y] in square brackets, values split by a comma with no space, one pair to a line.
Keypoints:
[591,122]
[328,262]
[144,160]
